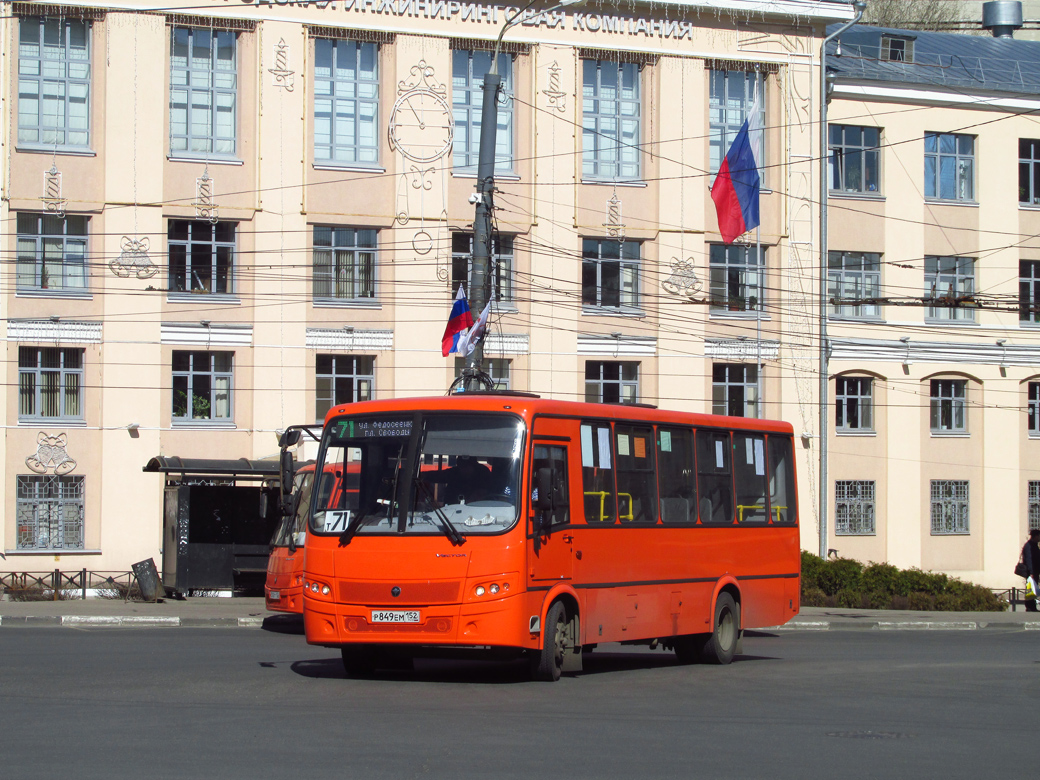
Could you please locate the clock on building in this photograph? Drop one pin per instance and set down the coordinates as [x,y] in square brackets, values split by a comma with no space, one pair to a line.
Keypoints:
[421,125]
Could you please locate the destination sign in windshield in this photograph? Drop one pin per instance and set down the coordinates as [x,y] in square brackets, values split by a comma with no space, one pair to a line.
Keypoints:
[372,428]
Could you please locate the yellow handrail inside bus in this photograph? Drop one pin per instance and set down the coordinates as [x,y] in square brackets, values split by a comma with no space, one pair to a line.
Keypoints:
[749,507]
[602,494]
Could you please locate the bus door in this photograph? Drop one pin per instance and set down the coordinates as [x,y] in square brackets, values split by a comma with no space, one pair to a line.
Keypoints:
[550,540]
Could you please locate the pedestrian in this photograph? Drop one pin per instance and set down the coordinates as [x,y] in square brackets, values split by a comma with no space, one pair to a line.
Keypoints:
[1031,558]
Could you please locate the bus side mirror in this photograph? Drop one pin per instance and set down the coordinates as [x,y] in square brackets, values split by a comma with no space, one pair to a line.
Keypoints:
[289,438]
[287,473]
[543,490]
[263,505]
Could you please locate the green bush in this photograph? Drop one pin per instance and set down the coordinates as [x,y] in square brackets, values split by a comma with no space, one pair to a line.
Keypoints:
[812,565]
[813,597]
[840,574]
[881,578]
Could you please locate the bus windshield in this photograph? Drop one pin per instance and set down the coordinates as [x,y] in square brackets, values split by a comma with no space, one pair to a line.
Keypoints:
[456,474]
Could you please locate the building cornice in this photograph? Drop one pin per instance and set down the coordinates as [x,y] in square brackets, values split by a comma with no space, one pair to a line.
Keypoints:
[933,97]
[908,352]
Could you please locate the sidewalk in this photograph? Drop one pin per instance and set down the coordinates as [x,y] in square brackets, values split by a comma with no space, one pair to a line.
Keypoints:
[250,613]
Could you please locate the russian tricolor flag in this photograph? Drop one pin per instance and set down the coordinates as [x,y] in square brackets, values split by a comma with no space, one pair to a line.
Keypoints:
[736,186]
[459,322]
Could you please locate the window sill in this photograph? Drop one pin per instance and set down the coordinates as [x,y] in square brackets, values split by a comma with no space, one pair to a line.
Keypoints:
[183,297]
[348,167]
[612,183]
[67,151]
[595,311]
[472,174]
[198,425]
[950,434]
[951,533]
[738,315]
[951,323]
[182,158]
[1029,206]
[855,195]
[854,433]
[346,303]
[850,533]
[850,318]
[974,204]
[63,294]
[50,422]
[51,551]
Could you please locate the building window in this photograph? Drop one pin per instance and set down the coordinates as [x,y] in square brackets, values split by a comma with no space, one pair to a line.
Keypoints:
[50,383]
[731,94]
[342,379]
[467,101]
[346,102]
[734,389]
[610,273]
[344,262]
[948,406]
[202,386]
[52,252]
[611,382]
[854,507]
[949,166]
[1029,291]
[949,284]
[50,512]
[202,256]
[1034,504]
[854,284]
[610,120]
[854,407]
[735,278]
[1033,410]
[54,82]
[203,91]
[500,272]
[897,49]
[854,164]
[496,368]
[1029,171]
[949,507]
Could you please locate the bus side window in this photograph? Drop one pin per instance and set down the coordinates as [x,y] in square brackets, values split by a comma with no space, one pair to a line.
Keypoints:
[782,499]
[749,476]
[555,459]
[597,473]
[637,485]
[675,470]
[714,484]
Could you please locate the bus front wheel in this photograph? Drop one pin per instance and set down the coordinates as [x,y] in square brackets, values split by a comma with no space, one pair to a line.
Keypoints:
[722,642]
[547,664]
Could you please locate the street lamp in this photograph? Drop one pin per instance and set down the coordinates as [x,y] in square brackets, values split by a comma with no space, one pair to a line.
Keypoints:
[486,189]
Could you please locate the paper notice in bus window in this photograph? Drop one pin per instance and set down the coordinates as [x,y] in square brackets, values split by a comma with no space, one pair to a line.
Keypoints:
[622,445]
[760,458]
[604,447]
[666,441]
[336,521]
[749,451]
[639,447]
[586,446]
[720,455]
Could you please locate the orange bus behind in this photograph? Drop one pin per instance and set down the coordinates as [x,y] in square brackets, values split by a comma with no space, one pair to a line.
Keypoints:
[555,526]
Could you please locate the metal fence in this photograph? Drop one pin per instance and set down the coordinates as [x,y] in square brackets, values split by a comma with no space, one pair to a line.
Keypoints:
[57,585]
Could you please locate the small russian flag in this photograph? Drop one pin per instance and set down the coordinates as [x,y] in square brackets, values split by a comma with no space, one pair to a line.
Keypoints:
[459,322]
[737,183]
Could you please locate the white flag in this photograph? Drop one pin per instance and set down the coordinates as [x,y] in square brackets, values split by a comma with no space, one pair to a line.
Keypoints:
[468,339]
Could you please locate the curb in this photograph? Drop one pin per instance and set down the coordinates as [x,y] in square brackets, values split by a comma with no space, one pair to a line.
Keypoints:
[128,621]
[905,625]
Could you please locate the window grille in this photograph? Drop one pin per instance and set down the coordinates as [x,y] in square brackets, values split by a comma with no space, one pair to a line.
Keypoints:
[949,507]
[1034,504]
[854,507]
[50,512]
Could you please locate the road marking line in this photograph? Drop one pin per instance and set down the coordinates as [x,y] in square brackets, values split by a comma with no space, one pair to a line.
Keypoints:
[107,620]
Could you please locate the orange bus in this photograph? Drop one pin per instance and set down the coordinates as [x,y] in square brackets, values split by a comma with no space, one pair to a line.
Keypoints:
[283,590]
[505,521]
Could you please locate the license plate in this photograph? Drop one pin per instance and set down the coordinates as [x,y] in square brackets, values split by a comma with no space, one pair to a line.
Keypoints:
[276,595]
[395,616]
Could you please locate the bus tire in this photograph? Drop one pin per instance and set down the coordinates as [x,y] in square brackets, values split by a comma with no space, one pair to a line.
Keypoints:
[722,642]
[547,664]
[359,660]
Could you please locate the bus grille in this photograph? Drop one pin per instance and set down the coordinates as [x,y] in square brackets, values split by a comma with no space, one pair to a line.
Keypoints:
[379,593]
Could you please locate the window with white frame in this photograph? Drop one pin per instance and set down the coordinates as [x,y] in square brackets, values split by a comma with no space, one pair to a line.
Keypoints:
[610,273]
[949,287]
[202,256]
[49,512]
[610,120]
[734,389]
[1029,291]
[500,271]
[854,161]
[496,368]
[611,381]
[949,507]
[52,252]
[854,403]
[50,383]
[949,166]
[1034,504]
[344,262]
[203,91]
[346,102]
[895,49]
[854,507]
[736,278]
[1033,409]
[342,379]
[202,383]
[54,82]
[1028,171]
[731,93]
[854,284]
[949,406]
[467,100]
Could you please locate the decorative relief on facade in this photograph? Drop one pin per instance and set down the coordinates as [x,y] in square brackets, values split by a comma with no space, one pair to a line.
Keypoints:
[616,345]
[506,344]
[55,332]
[134,260]
[205,335]
[51,453]
[557,98]
[205,207]
[741,349]
[614,225]
[283,75]
[350,339]
[53,202]
[683,280]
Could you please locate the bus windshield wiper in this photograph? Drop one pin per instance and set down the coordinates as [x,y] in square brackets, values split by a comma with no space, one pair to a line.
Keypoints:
[351,529]
[453,534]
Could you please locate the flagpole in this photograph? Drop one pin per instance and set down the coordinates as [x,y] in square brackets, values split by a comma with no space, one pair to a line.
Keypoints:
[758,324]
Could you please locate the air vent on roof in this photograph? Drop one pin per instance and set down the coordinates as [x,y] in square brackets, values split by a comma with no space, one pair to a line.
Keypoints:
[1002,17]
[895,49]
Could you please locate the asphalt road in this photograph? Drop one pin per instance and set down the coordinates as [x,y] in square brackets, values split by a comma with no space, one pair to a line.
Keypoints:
[216,703]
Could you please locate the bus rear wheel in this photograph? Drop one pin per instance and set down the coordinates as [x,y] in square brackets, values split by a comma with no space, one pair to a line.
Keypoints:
[722,642]
[547,664]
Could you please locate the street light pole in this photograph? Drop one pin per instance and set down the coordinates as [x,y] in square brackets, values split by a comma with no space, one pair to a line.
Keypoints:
[484,198]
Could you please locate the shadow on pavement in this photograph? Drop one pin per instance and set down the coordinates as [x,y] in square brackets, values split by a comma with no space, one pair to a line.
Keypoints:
[284,624]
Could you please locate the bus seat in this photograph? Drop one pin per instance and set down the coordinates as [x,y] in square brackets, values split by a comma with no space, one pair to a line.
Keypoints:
[675,510]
